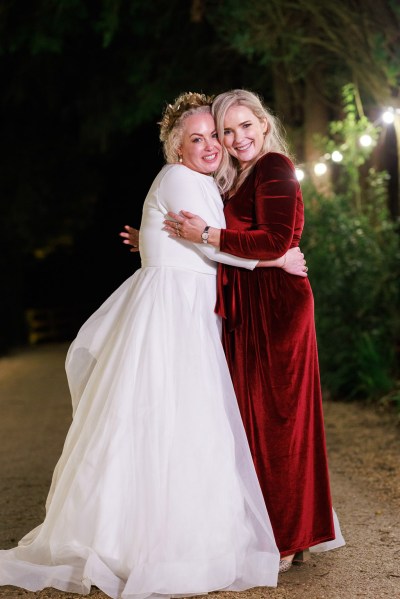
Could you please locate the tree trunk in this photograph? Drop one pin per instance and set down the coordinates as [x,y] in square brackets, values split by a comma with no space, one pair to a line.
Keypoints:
[288,109]
[395,196]
[316,119]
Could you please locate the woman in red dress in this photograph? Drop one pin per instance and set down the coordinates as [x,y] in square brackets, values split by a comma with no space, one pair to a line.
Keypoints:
[268,325]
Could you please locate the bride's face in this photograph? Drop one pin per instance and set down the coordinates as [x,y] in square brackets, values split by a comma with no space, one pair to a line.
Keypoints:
[200,148]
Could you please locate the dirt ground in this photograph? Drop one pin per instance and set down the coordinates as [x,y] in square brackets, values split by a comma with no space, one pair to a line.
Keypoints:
[364,451]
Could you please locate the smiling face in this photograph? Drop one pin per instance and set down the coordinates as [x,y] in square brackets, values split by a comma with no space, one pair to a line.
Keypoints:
[200,148]
[243,134]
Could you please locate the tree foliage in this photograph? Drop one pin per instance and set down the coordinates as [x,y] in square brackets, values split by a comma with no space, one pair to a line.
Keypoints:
[354,266]
[353,252]
[344,136]
[347,40]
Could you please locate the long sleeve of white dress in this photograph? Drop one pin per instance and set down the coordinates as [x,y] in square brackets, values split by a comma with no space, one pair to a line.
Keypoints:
[175,188]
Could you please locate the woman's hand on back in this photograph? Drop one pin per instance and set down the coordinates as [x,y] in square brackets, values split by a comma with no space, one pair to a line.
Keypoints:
[294,262]
[131,237]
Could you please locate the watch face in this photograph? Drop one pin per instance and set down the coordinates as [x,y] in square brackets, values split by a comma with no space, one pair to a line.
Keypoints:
[205,234]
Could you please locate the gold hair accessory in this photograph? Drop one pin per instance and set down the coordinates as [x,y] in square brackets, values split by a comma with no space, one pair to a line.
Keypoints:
[181,105]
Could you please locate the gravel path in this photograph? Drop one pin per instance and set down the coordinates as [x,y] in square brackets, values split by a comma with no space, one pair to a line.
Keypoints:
[364,452]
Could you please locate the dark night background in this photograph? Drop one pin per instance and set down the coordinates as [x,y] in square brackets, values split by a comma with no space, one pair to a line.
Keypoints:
[84,83]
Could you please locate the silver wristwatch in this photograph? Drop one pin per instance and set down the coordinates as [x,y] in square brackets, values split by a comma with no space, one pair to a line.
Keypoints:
[205,234]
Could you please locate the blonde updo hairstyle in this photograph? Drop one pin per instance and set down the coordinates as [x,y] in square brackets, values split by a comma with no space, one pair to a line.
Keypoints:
[173,119]
[229,174]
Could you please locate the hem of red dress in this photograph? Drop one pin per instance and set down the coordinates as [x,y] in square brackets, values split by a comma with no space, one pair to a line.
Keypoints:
[305,547]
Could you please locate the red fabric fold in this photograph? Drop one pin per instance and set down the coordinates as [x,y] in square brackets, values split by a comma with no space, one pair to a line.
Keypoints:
[228,304]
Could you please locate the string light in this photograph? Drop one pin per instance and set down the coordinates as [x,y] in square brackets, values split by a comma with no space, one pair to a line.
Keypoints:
[320,168]
[337,156]
[365,140]
[388,116]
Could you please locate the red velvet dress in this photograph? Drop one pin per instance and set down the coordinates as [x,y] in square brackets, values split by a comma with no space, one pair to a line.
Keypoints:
[270,344]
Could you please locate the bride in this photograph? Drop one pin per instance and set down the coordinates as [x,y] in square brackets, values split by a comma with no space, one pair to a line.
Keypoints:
[155,492]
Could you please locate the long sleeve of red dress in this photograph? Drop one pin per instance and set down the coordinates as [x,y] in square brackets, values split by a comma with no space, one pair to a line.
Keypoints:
[274,213]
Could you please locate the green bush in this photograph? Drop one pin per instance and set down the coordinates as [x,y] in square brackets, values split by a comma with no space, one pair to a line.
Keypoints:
[354,269]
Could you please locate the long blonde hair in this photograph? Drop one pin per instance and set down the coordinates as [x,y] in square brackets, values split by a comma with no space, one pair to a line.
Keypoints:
[229,175]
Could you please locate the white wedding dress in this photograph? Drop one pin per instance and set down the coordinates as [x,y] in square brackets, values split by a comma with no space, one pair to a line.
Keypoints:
[155,493]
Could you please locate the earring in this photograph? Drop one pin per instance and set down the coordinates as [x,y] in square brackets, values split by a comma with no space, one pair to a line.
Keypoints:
[180,159]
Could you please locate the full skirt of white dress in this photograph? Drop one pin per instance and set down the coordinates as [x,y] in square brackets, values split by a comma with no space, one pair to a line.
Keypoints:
[155,493]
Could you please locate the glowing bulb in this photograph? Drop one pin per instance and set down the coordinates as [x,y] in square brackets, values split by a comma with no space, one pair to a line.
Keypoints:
[365,140]
[299,174]
[337,156]
[388,116]
[320,168]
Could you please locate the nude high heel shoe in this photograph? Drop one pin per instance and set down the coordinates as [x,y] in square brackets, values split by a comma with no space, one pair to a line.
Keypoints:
[285,565]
